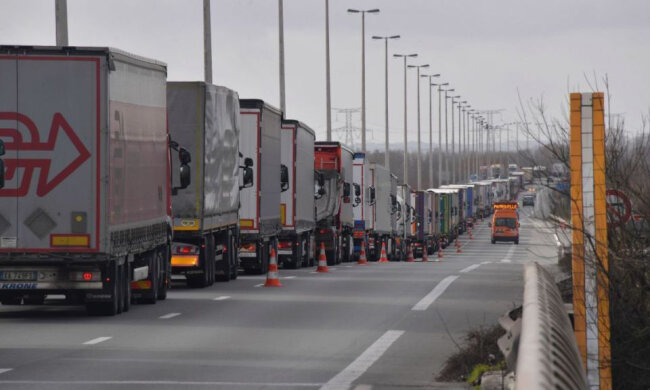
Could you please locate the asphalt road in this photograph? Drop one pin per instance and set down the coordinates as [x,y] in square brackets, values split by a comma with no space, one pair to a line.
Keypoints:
[381,326]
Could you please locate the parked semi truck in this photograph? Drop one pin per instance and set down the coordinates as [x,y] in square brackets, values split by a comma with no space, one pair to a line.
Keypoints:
[383,213]
[334,213]
[259,215]
[404,222]
[86,206]
[296,242]
[363,200]
[205,118]
[423,240]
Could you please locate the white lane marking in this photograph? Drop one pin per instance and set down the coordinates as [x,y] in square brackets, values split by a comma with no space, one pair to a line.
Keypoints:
[347,266]
[508,255]
[363,387]
[3,370]
[434,294]
[97,340]
[175,384]
[168,316]
[313,272]
[506,261]
[470,268]
[259,285]
[344,379]
[289,277]
[486,262]
[221,298]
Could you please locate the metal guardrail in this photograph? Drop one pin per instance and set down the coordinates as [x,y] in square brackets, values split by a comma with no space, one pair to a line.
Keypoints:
[547,355]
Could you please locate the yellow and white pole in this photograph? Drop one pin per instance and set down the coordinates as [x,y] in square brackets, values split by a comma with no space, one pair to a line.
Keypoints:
[589,220]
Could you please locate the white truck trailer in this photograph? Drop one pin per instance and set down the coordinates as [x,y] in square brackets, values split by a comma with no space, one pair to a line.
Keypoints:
[205,119]
[383,211]
[363,200]
[296,242]
[259,215]
[86,206]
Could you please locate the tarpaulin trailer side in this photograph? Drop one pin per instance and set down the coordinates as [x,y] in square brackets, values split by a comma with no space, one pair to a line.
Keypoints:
[384,212]
[204,119]
[362,203]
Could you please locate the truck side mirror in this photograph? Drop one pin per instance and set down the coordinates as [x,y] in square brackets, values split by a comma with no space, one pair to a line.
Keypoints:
[248,178]
[393,200]
[284,178]
[2,147]
[373,200]
[248,162]
[184,156]
[346,190]
[184,176]
[357,189]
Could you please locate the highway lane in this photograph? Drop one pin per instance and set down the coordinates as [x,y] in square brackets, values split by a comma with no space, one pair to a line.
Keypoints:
[355,327]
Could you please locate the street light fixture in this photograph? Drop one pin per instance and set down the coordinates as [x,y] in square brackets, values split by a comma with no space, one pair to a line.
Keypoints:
[453,140]
[419,159]
[406,172]
[363,71]
[386,38]
[430,76]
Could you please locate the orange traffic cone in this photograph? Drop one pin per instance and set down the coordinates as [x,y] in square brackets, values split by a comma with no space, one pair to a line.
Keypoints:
[440,255]
[469,231]
[458,250]
[424,255]
[273,278]
[362,255]
[382,257]
[410,258]
[322,260]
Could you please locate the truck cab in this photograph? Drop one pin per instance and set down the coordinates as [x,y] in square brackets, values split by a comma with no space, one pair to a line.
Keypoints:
[505,222]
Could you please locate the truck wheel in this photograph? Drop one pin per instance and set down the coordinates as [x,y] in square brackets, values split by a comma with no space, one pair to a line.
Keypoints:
[126,296]
[234,257]
[108,308]
[226,262]
[517,241]
[154,263]
[165,274]
[494,241]
[121,287]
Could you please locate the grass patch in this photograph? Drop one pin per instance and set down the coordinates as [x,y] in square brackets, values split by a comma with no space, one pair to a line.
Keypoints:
[475,356]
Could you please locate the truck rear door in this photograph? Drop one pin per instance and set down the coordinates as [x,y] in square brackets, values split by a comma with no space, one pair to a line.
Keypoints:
[51,128]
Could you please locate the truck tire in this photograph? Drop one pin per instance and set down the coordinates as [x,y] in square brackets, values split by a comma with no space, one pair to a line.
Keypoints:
[126,296]
[494,241]
[121,288]
[109,308]
[154,274]
[165,273]
[517,241]
[234,256]
[207,266]
[226,260]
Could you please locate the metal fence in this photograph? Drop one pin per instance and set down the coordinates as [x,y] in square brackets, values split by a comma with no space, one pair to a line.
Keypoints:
[547,355]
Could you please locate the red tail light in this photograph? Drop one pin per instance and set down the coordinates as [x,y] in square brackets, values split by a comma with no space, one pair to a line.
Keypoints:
[87,276]
[284,245]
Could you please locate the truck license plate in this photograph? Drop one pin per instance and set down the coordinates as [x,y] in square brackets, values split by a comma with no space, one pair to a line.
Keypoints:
[18,275]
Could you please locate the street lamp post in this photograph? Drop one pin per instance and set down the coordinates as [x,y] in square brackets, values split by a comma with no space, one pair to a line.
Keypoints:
[406,163]
[430,127]
[386,38]
[453,141]
[447,135]
[363,71]
[328,94]
[439,183]
[460,140]
[283,104]
[419,156]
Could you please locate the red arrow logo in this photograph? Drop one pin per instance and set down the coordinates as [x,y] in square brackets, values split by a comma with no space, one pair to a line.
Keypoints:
[45,184]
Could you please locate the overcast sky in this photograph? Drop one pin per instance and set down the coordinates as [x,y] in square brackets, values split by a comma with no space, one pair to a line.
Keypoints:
[487,50]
